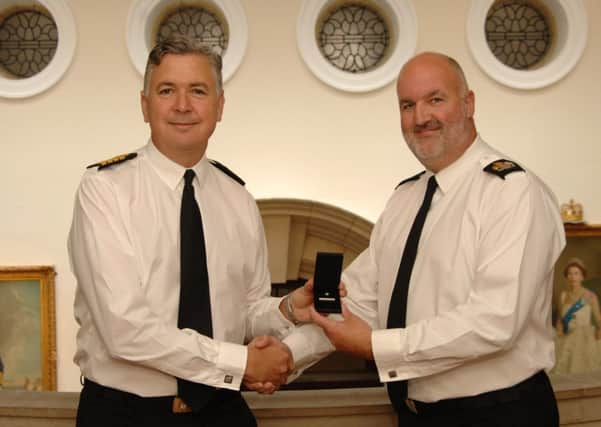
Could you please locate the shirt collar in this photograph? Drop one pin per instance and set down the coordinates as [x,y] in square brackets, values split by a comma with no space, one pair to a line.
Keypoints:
[172,173]
[456,170]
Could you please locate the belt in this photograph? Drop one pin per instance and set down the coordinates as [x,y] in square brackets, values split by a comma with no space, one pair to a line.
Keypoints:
[159,404]
[481,400]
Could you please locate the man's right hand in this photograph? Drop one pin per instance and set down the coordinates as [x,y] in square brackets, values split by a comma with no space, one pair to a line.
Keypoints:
[268,364]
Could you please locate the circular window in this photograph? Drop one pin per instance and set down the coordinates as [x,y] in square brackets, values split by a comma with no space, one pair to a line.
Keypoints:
[28,41]
[518,34]
[196,23]
[37,42]
[527,44]
[354,38]
[218,23]
[356,46]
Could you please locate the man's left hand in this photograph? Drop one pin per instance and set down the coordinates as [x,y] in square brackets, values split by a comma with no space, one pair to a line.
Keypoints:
[350,335]
[302,299]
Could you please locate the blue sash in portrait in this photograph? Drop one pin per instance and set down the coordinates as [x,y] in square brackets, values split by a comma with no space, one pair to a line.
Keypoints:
[570,313]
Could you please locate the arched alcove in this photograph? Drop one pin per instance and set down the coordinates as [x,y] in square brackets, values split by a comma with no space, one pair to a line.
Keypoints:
[296,230]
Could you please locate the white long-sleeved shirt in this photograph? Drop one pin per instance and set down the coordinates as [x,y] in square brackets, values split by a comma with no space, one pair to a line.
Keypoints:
[124,252]
[479,303]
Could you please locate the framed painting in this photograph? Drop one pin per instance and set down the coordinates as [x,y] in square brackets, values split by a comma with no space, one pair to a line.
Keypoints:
[576,301]
[28,330]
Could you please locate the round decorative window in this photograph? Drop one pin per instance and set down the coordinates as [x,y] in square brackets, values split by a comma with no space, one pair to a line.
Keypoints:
[37,42]
[28,41]
[518,33]
[354,38]
[527,44]
[197,23]
[356,46]
[218,23]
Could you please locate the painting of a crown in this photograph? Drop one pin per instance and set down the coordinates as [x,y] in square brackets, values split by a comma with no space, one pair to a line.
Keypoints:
[572,213]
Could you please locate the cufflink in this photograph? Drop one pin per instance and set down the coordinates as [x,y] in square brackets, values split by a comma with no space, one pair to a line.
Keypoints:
[392,374]
[228,379]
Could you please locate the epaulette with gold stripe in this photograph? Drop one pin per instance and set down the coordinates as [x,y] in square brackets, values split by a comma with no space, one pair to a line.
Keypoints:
[503,167]
[114,161]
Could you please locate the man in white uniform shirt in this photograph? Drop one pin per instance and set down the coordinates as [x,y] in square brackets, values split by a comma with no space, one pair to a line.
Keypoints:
[478,335]
[124,246]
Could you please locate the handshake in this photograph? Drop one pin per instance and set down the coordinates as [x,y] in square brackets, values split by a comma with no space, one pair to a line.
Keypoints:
[268,364]
[269,361]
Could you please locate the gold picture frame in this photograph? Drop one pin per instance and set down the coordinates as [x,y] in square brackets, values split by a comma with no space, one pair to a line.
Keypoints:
[583,242]
[28,332]
[578,347]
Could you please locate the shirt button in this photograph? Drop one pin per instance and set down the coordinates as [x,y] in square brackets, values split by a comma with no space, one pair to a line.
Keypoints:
[392,374]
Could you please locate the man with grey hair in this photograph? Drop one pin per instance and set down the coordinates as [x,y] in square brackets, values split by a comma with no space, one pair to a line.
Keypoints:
[452,298]
[170,258]
[179,45]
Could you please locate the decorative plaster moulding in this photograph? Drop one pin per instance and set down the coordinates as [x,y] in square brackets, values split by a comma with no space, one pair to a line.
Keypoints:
[401,17]
[57,67]
[142,21]
[571,27]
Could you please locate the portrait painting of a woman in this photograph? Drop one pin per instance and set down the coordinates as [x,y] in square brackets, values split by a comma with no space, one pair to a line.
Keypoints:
[578,325]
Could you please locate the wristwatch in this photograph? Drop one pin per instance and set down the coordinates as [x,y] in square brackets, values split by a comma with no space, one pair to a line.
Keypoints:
[290,311]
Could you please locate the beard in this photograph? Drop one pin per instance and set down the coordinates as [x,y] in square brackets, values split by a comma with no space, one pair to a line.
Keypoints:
[427,141]
[437,144]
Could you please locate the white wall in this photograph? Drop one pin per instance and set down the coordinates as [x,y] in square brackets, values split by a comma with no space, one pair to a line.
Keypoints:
[284,132]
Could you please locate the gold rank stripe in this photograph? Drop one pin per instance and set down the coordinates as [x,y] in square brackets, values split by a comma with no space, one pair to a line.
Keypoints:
[113,160]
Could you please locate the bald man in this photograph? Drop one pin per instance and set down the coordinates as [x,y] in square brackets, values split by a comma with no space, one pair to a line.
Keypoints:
[452,298]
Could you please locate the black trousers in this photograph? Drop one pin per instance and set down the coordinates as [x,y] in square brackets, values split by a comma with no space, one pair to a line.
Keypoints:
[101,406]
[530,403]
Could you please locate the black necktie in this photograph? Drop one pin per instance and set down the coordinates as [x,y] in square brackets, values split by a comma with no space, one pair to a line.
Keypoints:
[194,299]
[397,310]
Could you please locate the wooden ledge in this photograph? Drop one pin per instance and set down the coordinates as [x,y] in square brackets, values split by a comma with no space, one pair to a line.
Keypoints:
[578,396]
